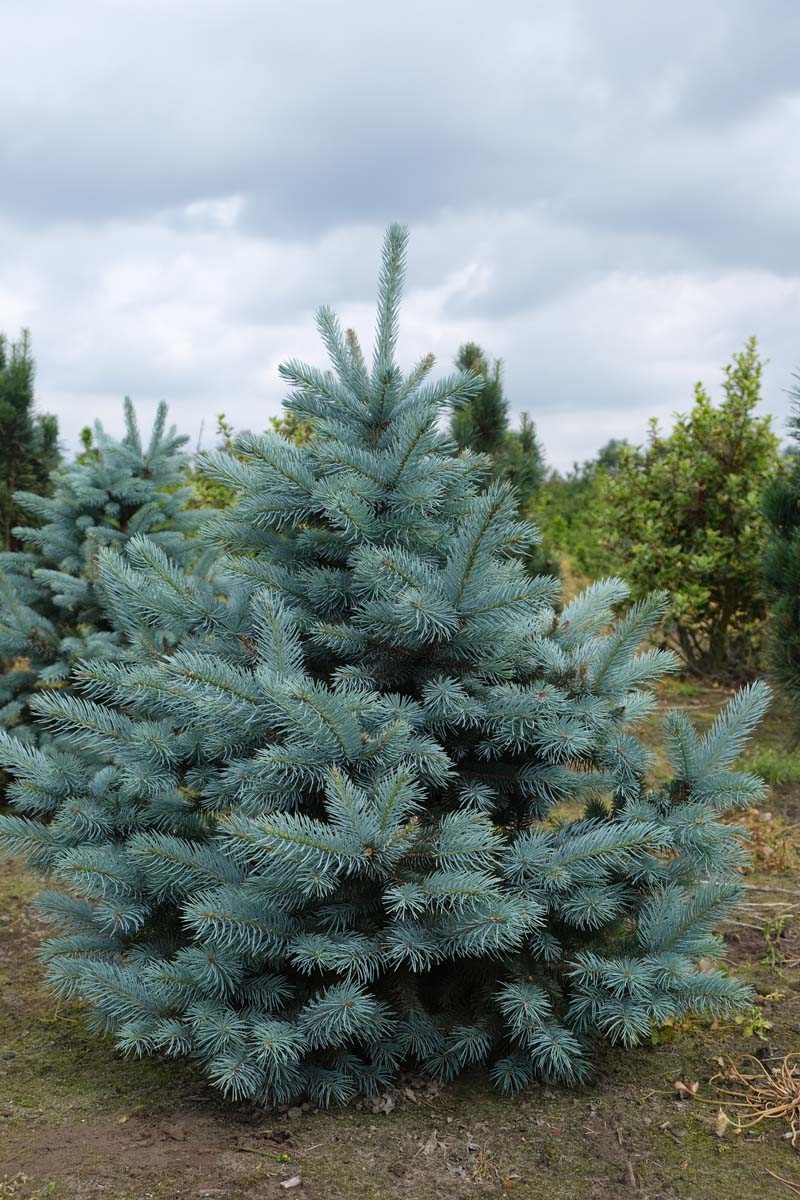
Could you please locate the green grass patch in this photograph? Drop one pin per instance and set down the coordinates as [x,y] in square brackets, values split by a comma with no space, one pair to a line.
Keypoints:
[778,767]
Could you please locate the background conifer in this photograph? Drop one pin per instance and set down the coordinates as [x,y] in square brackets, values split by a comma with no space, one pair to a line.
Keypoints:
[28,440]
[52,604]
[481,423]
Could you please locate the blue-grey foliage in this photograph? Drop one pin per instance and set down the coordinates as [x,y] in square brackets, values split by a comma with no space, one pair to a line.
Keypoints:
[369,799]
[52,605]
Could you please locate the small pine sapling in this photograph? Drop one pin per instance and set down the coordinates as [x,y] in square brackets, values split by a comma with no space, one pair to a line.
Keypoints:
[53,606]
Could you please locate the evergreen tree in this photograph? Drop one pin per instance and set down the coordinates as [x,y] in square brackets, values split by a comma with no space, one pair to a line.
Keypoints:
[521,461]
[319,839]
[28,441]
[781,508]
[481,423]
[53,610]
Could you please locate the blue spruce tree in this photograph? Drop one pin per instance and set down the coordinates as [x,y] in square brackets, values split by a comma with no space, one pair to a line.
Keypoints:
[369,800]
[52,606]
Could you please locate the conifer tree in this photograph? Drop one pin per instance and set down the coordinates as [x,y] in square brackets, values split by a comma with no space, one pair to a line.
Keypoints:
[319,842]
[522,461]
[28,440]
[781,506]
[52,604]
[481,423]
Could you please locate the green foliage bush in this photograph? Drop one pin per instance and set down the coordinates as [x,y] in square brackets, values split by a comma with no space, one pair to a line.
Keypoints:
[781,506]
[685,514]
[569,510]
[302,829]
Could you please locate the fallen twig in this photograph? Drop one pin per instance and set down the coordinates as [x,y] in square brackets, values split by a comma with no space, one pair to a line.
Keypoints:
[755,887]
[793,1187]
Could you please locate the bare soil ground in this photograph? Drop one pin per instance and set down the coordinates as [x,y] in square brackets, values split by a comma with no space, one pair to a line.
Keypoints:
[80,1123]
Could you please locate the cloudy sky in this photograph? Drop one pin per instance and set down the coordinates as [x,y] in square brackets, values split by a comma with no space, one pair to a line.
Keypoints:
[606,195]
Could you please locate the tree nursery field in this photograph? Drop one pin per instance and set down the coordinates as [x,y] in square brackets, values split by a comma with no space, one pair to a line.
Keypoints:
[79,1122]
[399,635]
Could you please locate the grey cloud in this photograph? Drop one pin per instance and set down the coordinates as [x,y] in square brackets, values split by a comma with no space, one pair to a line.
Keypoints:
[320,115]
[605,194]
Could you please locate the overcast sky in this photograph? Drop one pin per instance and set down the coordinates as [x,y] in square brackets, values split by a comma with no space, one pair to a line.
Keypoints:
[606,195]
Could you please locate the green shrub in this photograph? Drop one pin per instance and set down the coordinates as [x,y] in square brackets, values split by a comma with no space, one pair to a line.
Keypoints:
[781,506]
[685,515]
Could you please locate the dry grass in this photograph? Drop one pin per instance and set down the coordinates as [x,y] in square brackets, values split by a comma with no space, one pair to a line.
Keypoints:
[755,1093]
[772,841]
